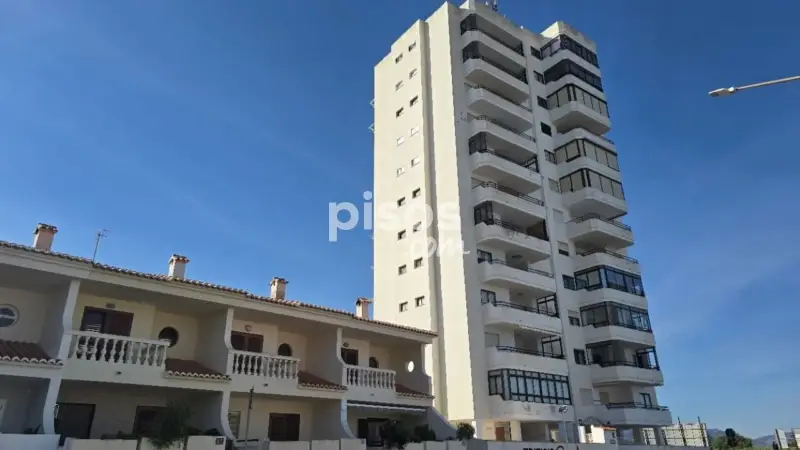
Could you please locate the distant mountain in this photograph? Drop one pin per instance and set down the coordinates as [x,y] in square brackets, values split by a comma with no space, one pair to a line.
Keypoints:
[763,441]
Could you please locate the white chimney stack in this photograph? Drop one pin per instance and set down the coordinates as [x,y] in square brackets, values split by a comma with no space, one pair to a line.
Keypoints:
[177,266]
[362,307]
[277,288]
[43,236]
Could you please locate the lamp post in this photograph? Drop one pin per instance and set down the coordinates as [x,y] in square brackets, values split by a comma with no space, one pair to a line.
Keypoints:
[564,409]
[722,92]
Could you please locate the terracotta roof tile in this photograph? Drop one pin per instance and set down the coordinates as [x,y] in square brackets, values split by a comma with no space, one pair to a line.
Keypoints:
[306,379]
[203,284]
[25,352]
[192,369]
[408,392]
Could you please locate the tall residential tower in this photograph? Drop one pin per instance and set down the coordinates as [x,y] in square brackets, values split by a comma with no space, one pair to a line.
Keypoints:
[491,135]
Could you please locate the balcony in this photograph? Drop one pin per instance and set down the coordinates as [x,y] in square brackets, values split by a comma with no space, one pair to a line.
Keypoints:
[366,383]
[264,373]
[512,239]
[616,372]
[485,101]
[572,107]
[524,359]
[591,297]
[637,414]
[520,176]
[602,332]
[477,28]
[506,314]
[484,71]
[511,205]
[593,201]
[532,281]
[591,230]
[602,257]
[516,144]
[525,411]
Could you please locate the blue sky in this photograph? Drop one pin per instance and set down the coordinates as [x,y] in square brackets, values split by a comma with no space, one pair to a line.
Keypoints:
[222,130]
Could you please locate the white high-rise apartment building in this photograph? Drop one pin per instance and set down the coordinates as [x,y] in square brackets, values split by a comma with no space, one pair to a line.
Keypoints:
[542,319]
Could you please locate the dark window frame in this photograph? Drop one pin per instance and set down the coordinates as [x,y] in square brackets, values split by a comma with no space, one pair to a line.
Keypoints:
[291,427]
[251,342]
[528,386]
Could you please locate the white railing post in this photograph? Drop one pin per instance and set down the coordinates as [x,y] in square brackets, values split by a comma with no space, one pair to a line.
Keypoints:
[111,349]
[266,366]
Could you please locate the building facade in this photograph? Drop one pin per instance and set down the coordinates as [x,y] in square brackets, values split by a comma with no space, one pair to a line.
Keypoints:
[89,350]
[498,204]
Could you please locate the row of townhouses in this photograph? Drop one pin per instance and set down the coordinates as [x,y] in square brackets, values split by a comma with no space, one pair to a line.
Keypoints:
[89,350]
[541,314]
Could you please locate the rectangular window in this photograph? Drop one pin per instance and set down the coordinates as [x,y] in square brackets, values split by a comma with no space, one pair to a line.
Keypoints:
[414,101]
[413,131]
[550,156]
[526,386]
[399,112]
[398,85]
[403,306]
[401,235]
[401,270]
[416,193]
[491,339]
[541,102]
[574,321]
[401,171]
[146,419]
[646,400]
[284,427]
[412,46]
[572,93]
[419,301]
[539,77]
[569,282]
[417,226]
[412,74]
[247,342]
[106,321]
[484,256]
[415,161]
[554,185]
[546,129]
[563,248]
[418,263]
[488,296]
[536,53]
[398,58]
[400,141]
[580,356]
[582,178]
[401,201]
[552,346]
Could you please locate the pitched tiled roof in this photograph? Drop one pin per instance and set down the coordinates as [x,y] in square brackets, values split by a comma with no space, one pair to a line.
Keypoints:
[310,380]
[25,352]
[204,284]
[191,369]
[408,392]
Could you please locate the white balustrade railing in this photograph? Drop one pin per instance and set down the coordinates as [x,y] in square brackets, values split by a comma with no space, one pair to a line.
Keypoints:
[368,377]
[108,348]
[267,366]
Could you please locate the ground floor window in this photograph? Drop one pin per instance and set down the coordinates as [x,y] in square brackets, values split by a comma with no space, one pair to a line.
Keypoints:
[146,421]
[370,429]
[284,427]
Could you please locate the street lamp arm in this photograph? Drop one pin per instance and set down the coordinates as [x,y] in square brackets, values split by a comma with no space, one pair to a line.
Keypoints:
[734,89]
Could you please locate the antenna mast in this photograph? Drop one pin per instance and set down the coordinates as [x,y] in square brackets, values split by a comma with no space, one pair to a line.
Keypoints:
[97,237]
[493,5]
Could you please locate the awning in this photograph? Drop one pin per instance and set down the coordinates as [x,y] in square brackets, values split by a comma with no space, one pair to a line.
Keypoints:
[372,407]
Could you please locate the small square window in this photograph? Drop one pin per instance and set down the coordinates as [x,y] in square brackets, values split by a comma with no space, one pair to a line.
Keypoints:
[412,74]
[419,301]
[417,226]
[412,46]
[539,77]
[554,186]
[414,131]
[401,270]
[399,58]
[403,306]
[574,321]
[536,53]
[541,102]
[401,201]
[401,171]
[418,263]
[416,193]
[546,129]
[580,357]
[398,85]
[401,235]
[563,248]
[399,112]
[415,161]
[400,141]
[550,156]
[414,101]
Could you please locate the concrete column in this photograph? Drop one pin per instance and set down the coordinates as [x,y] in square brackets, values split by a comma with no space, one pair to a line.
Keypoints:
[660,438]
[638,435]
[516,430]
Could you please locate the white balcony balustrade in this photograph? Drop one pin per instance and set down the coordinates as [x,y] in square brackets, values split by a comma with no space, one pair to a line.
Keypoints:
[265,366]
[369,378]
[122,350]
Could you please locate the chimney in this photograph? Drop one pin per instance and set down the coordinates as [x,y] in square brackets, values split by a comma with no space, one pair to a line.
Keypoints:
[277,288]
[43,236]
[177,266]
[362,307]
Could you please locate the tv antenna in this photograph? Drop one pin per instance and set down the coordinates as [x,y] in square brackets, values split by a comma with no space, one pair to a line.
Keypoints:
[492,4]
[97,237]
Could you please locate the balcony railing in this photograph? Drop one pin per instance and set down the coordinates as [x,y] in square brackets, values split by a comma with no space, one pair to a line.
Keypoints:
[367,377]
[608,252]
[508,190]
[514,102]
[630,326]
[521,76]
[627,364]
[509,226]
[636,405]
[524,269]
[533,309]
[586,217]
[503,126]
[266,366]
[525,351]
[469,24]
[532,164]
[91,346]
